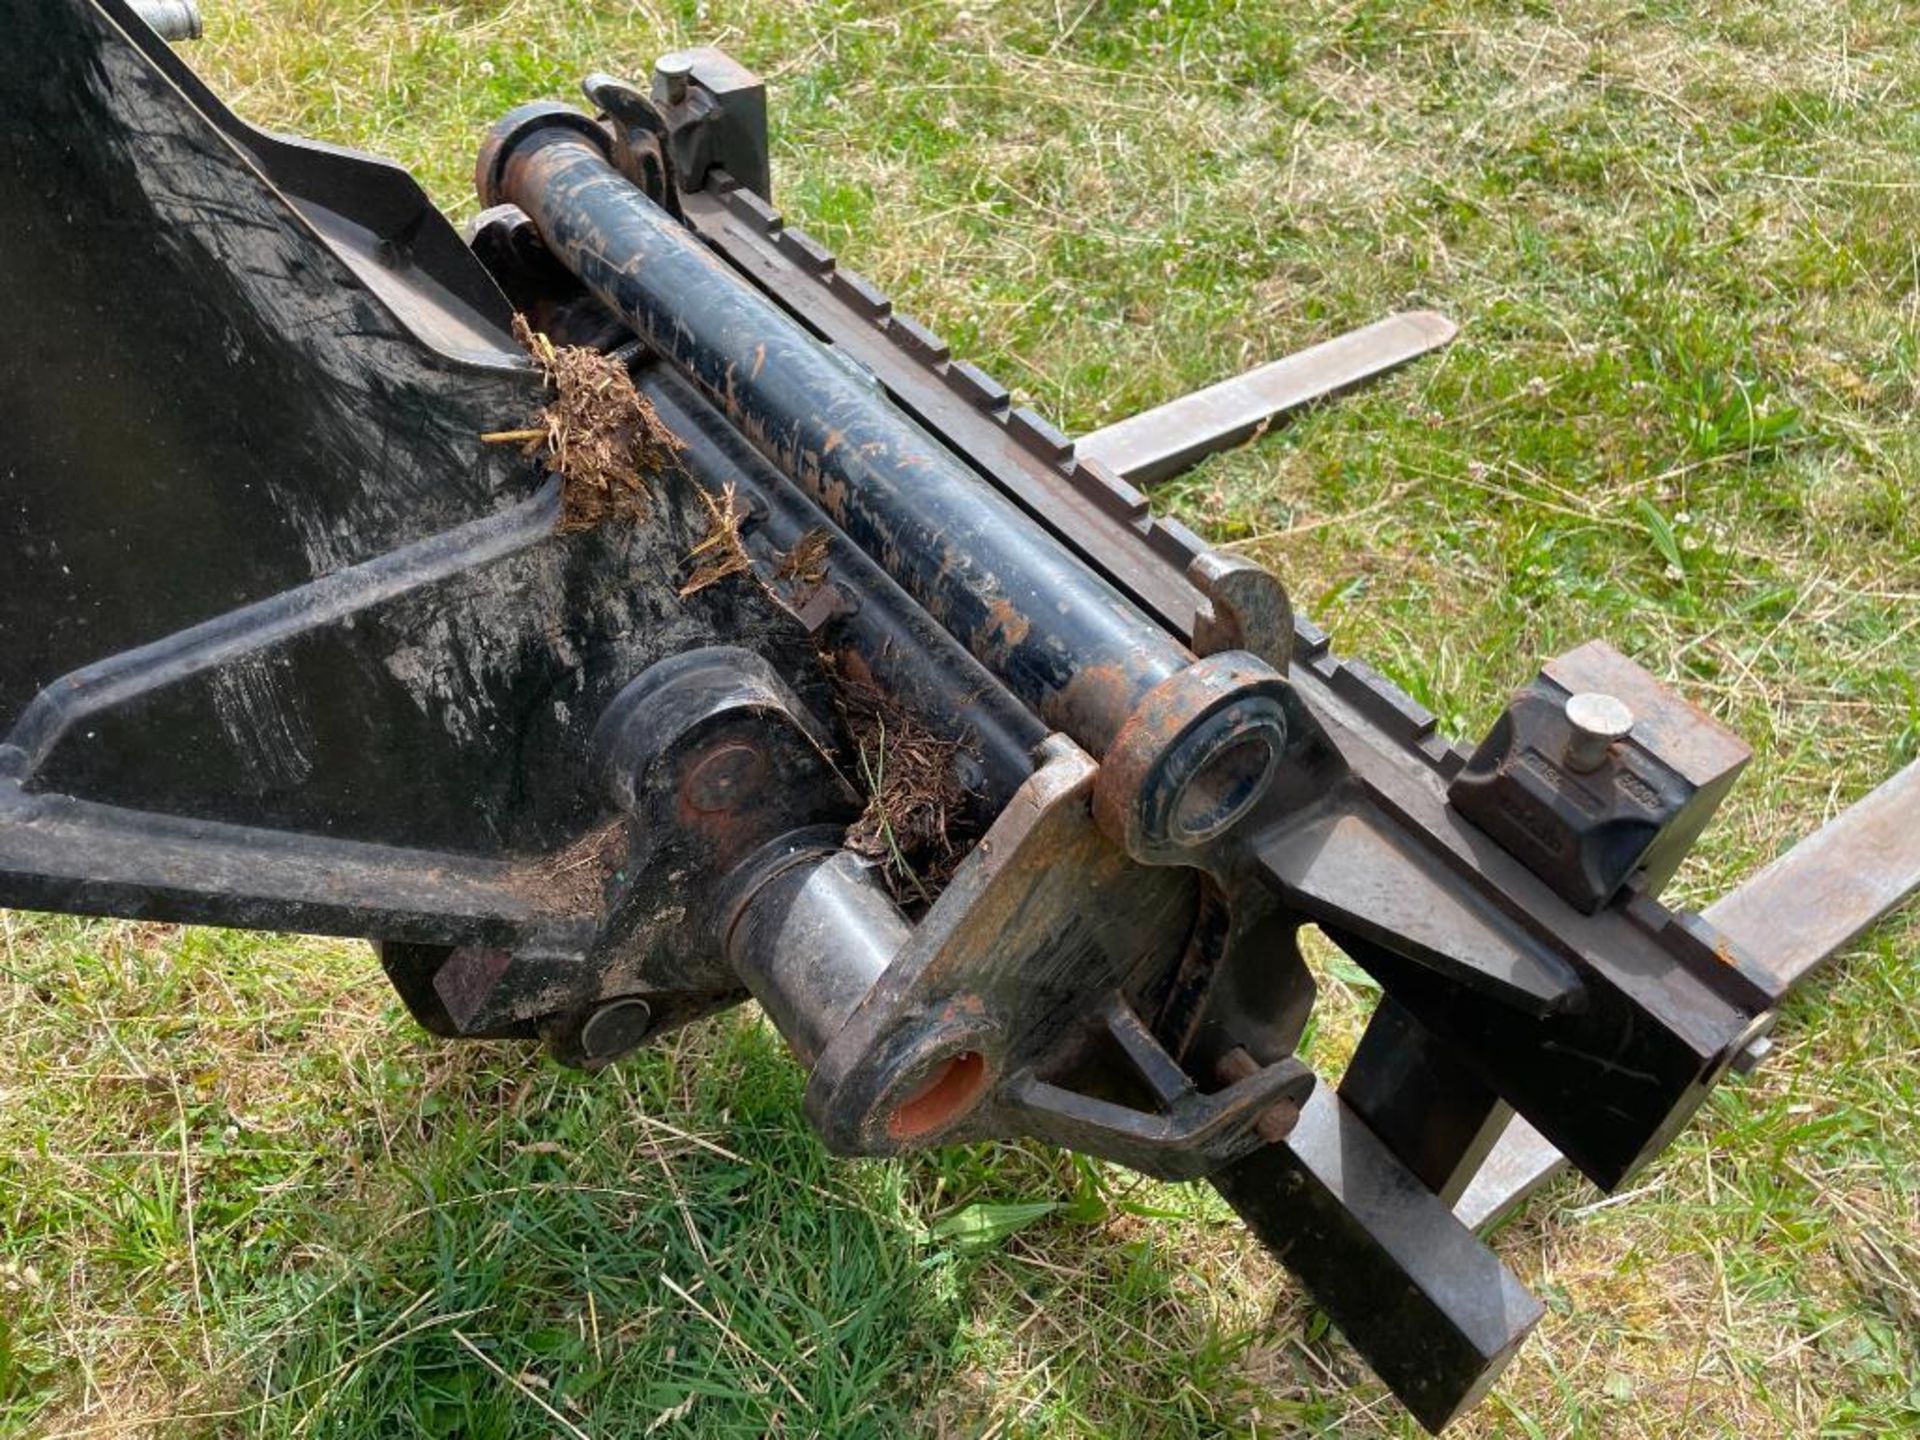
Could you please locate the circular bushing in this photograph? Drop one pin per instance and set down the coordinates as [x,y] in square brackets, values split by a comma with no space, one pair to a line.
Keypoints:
[928,1083]
[951,1087]
[512,129]
[920,1085]
[1194,757]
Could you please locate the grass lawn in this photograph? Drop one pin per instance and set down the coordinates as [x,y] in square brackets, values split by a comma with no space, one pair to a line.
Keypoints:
[240,1195]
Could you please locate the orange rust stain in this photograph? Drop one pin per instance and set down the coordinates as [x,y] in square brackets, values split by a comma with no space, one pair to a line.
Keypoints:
[958,1006]
[854,666]
[1006,626]
[834,437]
[1096,698]
[759,362]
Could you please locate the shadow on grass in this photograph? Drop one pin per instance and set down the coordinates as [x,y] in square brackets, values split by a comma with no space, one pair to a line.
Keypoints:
[666,1249]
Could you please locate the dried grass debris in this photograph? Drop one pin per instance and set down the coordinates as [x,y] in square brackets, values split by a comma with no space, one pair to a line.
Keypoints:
[805,564]
[720,553]
[916,805]
[601,436]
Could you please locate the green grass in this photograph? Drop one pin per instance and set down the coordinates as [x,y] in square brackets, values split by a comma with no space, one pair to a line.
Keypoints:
[240,1196]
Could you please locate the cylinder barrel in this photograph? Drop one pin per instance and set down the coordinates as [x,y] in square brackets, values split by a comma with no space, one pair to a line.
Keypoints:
[810,941]
[883,634]
[1056,634]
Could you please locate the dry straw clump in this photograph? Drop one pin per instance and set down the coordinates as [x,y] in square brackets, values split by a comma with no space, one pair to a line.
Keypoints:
[719,553]
[915,803]
[601,436]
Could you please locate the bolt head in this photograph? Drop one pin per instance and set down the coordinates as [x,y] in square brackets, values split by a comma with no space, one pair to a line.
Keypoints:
[725,778]
[616,1028]
[1597,721]
[672,72]
[1599,715]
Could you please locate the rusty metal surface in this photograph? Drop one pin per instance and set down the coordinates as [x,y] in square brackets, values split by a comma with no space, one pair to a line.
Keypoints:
[1784,921]
[1044,916]
[1247,609]
[1163,441]
[1196,752]
[1032,978]
[716,113]
[1798,911]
